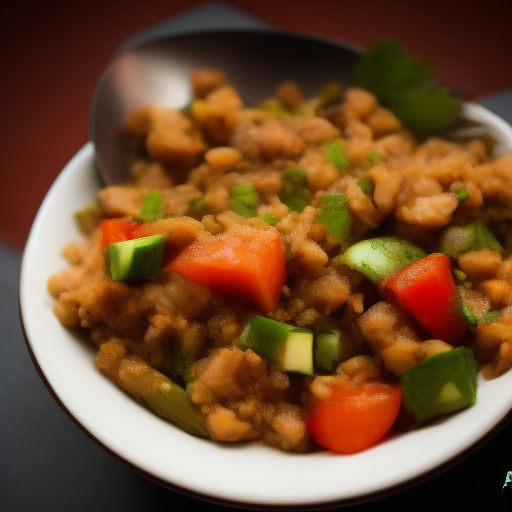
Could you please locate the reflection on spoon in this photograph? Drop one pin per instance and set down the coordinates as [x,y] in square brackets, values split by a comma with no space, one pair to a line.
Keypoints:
[158,73]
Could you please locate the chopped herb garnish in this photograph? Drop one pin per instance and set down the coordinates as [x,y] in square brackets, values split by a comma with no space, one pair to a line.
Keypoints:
[152,206]
[269,219]
[337,156]
[468,315]
[336,215]
[296,175]
[461,194]
[244,200]
[459,275]
[490,317]
[365,184]
[374,157]
[407,86]
[294,193]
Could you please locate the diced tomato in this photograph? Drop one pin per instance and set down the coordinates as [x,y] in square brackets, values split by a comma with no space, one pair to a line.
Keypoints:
[427,291]
[354,418]
[248,263]
[116,230]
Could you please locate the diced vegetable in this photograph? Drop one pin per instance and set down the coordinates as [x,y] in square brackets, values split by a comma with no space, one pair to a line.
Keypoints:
[374,157]
[248,264]
[365,184]
[288,347]
[336,215]
[441,384]
[458,240]
[269,219]
[337,156]
[298,352]
[152,206]
[294,192]
[378,258]
[332,348]
[461,194]
[244,200]
[354,418]
[490,316]
[468,315]
[427,291]
[157,391]
[116,230]
[136,258]
[407,87]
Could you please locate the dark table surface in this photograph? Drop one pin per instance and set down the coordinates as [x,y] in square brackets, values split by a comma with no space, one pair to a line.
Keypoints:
[46,462]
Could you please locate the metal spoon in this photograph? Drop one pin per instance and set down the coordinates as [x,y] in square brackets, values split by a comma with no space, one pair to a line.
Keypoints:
[254,61]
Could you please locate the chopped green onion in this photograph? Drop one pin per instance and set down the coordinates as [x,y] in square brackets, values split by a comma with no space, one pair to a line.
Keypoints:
[365,184]
[268,218]
[337,156]
[296,176]
[490,317]
[468,315]
[152,206]
[294,193]
[461,194]
[374,157]
[336,215]
[459,275]
[244,200]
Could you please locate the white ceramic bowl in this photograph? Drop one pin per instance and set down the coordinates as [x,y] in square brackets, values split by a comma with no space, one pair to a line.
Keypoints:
[246,474]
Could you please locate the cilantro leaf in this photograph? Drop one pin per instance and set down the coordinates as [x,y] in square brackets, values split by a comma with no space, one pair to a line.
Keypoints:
[406,86]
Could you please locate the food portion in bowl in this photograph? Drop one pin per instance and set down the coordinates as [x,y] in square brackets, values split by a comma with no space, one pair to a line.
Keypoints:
[302,273]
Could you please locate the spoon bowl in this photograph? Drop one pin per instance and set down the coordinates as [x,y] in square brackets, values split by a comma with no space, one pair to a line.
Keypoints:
[158,72]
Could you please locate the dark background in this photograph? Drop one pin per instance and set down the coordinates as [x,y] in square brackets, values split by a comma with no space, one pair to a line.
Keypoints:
[52,55]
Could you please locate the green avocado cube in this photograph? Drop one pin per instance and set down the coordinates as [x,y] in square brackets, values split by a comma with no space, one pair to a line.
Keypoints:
[136,258]
[443,383]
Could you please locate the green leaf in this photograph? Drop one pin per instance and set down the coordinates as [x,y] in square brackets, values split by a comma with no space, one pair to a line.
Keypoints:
[407,86]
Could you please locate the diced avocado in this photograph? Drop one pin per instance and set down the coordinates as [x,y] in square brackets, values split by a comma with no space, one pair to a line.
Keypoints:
[288,347]
[458,240]
[332,348]
[378,258]
[298,352]
[443,383]
[136,258]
